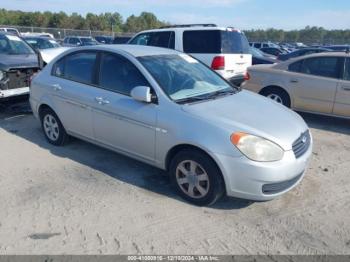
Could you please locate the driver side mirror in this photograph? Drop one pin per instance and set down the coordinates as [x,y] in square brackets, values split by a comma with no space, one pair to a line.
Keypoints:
[142,94]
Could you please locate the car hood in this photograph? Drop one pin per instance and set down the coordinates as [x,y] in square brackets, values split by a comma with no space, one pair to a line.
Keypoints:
[253,114]
[18,61]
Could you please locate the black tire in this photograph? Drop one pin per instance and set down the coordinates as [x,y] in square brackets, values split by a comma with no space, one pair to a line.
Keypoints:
[215,186]
[62,136]
[283,95]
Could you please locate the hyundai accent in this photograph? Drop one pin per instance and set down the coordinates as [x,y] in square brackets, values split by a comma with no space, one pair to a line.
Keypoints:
[167,109]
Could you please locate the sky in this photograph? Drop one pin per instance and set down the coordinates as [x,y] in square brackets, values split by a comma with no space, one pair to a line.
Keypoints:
[243,14]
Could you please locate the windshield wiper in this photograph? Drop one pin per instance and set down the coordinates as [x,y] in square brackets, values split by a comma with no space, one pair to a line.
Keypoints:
[190,99]
[219,93]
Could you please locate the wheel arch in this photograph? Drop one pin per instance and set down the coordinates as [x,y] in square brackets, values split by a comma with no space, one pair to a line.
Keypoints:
[180,147]
[264,89]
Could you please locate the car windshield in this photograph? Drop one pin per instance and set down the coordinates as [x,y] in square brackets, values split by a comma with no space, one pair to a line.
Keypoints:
[13,45]
[183,78]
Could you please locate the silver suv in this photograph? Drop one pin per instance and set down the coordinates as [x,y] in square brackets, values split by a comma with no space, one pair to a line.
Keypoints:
[167,109]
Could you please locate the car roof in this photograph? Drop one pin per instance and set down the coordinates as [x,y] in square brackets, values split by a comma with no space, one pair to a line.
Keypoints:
[285,64]
[133,50]
[190,28]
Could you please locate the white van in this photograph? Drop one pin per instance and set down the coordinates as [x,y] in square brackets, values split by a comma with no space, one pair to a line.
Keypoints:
[224,49]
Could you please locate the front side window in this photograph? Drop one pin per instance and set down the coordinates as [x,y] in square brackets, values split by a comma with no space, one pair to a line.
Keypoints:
[164,39]
[183,78]
[321,66]
[119,75]
[79,67]
[73,41]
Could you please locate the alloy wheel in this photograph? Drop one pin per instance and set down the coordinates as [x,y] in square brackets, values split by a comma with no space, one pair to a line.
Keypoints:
[192,179]
[51,127]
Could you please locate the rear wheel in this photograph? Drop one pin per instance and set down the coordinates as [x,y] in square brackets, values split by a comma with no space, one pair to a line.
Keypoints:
[52,127]
[278,95]
[196,177]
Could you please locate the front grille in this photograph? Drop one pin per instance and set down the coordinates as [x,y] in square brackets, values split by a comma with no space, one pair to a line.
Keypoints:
[17,78]
[302,144]
[270,189]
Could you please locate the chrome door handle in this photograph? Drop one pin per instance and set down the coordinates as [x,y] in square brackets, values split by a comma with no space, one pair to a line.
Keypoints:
[56,87]
[101,101]
[346,88]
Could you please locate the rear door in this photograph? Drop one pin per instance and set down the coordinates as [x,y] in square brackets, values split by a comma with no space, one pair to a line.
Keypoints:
[72,86]
[313,82]
[342,98]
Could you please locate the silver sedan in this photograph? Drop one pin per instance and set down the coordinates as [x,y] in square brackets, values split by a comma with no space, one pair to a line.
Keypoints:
[167,109]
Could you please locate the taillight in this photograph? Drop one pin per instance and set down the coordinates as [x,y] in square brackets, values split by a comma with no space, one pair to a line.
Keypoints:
[246,76]
[218,63]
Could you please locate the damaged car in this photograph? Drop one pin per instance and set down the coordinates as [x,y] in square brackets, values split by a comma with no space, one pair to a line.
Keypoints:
[18,63]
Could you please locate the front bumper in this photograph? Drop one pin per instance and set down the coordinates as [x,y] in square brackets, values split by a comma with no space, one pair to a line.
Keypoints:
[14,92]
[262,181]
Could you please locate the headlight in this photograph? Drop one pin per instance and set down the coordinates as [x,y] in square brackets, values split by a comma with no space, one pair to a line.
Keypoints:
[2,75]
[257,148]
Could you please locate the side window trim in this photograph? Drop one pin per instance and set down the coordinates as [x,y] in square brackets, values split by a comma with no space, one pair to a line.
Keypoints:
[94,78]
[339,67]
[98,84]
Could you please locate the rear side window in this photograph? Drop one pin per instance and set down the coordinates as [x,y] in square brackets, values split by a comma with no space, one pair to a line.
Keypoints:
[119,75]
[159,39]
[215,42]
[321,66]
[202,41]
[295,67]
[79,67]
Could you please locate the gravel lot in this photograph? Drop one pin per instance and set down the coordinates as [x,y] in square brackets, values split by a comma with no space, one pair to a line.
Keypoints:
[81,199]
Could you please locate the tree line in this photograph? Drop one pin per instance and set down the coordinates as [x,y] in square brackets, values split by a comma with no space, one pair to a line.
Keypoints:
[102,22]
[308,35]
[114,21]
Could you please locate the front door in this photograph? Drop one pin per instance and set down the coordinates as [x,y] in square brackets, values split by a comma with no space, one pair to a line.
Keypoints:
[120,121]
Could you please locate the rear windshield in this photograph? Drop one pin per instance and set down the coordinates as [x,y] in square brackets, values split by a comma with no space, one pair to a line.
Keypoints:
[215,42]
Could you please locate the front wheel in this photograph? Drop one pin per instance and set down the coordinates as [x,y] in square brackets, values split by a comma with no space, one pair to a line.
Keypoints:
[196,177]
[53,128]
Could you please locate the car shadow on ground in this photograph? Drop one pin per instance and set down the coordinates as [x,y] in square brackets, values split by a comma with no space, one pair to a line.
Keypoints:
[16,119]
[327,123]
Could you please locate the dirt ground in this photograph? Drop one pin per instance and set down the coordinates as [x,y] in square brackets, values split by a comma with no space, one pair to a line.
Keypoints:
[81,199]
